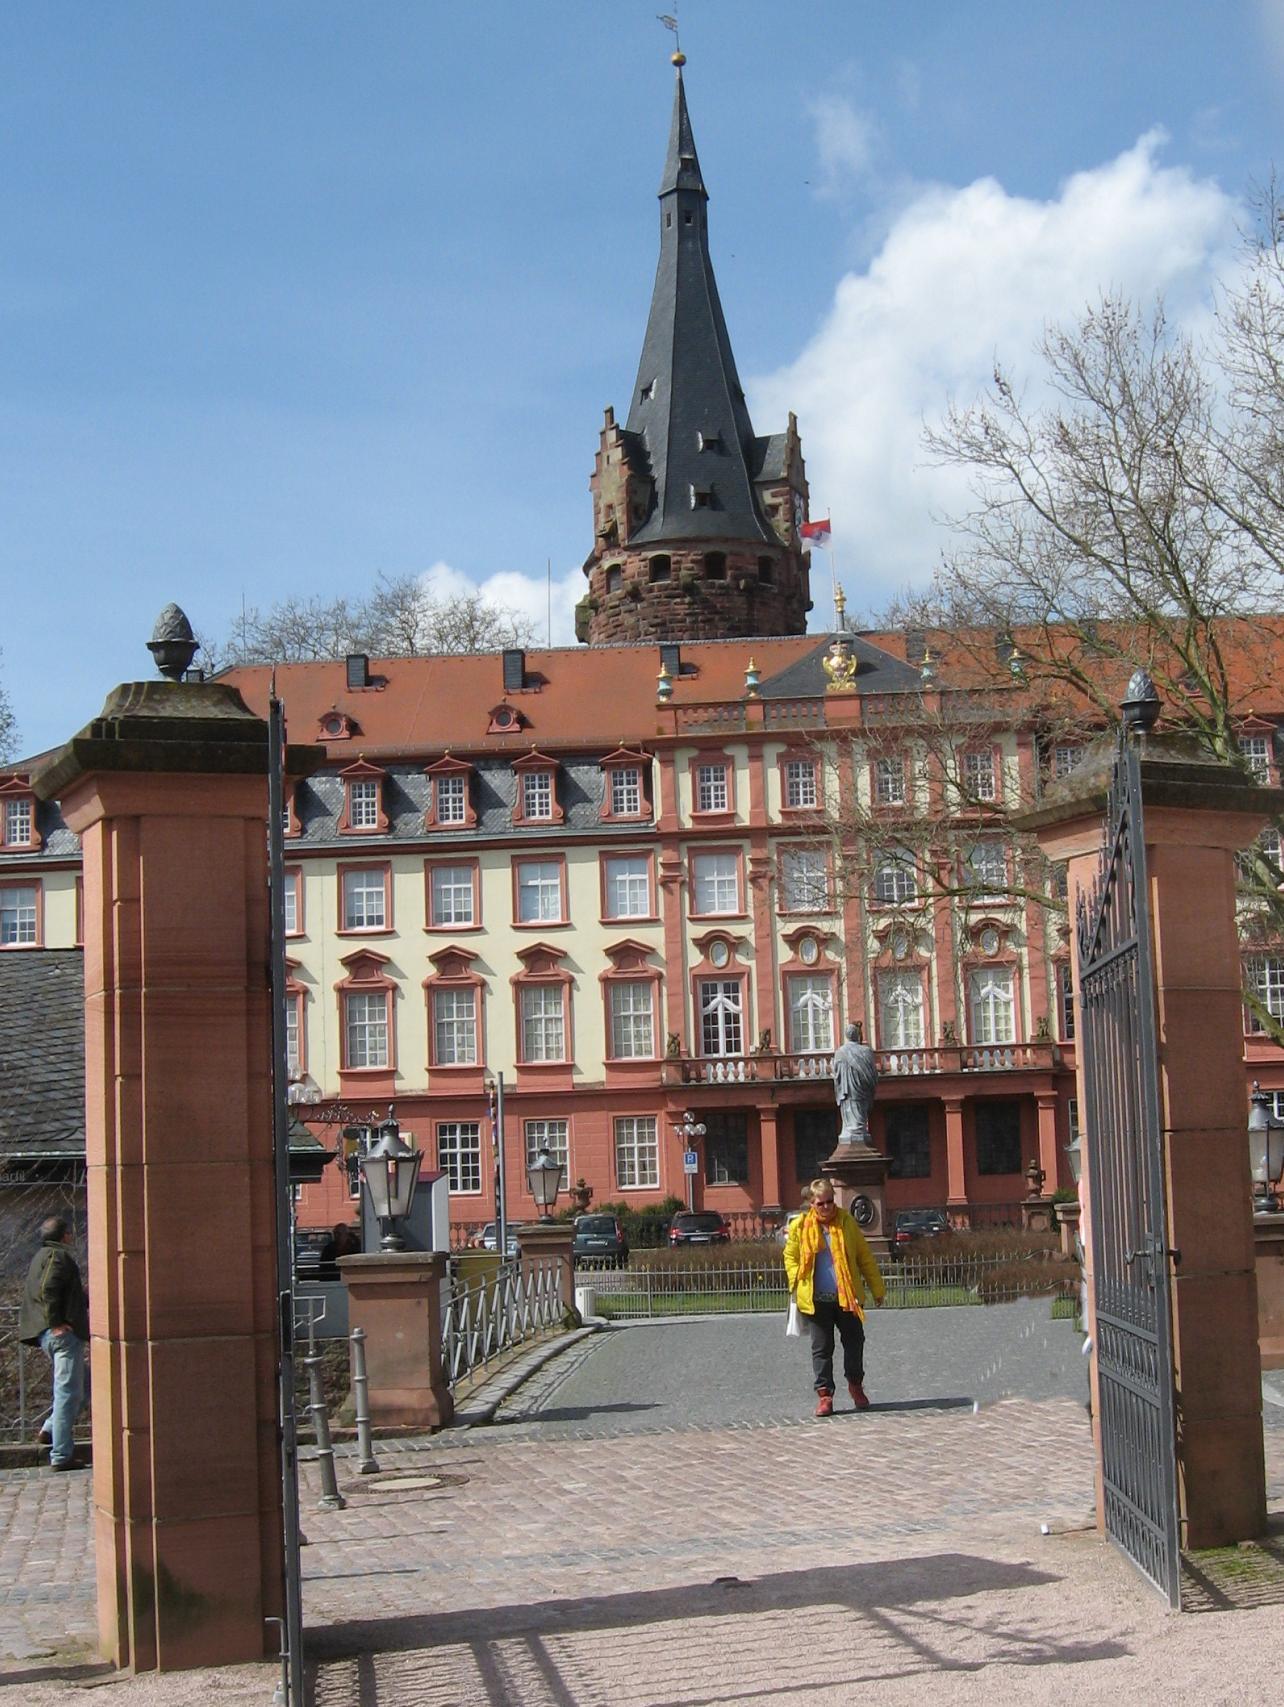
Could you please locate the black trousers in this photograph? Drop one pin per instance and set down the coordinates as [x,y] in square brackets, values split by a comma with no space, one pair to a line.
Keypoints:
[851,1330]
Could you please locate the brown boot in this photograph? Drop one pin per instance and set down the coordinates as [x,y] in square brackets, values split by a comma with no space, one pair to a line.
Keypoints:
[824,1404]
[860,1398]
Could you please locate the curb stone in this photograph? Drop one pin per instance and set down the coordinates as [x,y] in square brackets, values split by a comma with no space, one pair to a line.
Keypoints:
[481,1406]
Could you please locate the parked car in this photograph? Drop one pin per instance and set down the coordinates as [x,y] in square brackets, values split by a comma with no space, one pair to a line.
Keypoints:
[489,1240]
[918,1224]
[600,1238]
[308,1244]
[698,1227]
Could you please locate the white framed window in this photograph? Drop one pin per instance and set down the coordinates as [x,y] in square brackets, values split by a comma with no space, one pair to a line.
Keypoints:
[363,803]
[804,880]
[900,1010]
[539,891]
[292,1056]
[553,1136]
[365,900]
[800,783]
[637,1151]
[543,1022]
[1266,979]
[1065,1000]
[896,878]
[454,1019]
[1269,842]
[1256,750]
[290,902]
[19,818]
[632,1010]
[628,886]
[459,1153]
[811,1015]
[987,867]
[711,788]
[1064,758]
[365,1019]
[992,1005]
[451,888]
[452,799]
[889,782]
[979,779]
[721,1016]
[716,882]
[537,794]
[626,791]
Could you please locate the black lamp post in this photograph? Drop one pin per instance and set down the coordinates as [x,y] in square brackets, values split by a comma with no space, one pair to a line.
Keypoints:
[390,1168]
[544,1172]
[1265,1148]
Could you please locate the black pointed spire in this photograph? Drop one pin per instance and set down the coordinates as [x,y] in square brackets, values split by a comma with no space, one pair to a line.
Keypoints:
[687,409]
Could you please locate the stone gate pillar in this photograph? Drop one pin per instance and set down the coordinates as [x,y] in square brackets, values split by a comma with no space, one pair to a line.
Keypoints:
[1198,812]
[168,791]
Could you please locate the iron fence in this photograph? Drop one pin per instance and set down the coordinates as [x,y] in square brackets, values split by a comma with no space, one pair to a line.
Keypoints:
[918,1281]
[26,1199]
[492,1314]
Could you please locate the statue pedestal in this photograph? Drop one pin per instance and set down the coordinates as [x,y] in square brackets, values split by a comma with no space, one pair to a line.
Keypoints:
[859,1173]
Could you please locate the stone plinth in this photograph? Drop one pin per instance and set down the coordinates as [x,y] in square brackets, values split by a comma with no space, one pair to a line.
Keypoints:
[1268,1242]
[1198,813]
[1036,1214]
[397,1297]
[859,1175]
[552,1242]
[168,791]
[1068,1215]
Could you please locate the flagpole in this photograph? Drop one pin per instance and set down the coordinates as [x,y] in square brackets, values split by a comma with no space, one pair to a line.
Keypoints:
[833,571]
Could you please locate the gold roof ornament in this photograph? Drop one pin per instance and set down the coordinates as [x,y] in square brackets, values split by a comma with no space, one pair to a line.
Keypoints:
[840,667]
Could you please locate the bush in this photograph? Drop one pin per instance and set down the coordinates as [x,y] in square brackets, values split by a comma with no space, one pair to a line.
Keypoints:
[643,1228]
[747,1257]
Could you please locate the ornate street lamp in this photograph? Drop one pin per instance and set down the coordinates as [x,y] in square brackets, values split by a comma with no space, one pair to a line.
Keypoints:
[544,1172]
[390,1168]
[1265,1148]
[689,1129]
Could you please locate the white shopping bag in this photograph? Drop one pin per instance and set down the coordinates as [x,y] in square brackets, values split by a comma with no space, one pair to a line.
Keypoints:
[793,1322]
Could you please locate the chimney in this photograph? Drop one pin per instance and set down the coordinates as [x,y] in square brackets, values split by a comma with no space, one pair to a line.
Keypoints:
[514,670]
[358,666]
[671,657]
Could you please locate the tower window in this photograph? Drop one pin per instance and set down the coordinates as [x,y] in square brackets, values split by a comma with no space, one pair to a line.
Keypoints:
[767,571]
[688,218]
[614,578]
[668,219]
[647,392]
[660,568]
[702,497]
[709,441]
[715,566]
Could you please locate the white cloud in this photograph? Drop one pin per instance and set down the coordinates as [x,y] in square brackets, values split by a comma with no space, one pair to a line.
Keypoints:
[964,276]
[846,141]
[512,590]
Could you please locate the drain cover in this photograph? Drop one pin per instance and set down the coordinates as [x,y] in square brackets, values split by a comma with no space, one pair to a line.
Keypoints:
[404,1484]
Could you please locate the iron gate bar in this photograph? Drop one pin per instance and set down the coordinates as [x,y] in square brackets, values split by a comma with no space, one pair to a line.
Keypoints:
[1124,1139]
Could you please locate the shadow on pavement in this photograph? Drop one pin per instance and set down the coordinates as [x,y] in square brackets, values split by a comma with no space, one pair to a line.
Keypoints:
[890,1607]
[573,1413]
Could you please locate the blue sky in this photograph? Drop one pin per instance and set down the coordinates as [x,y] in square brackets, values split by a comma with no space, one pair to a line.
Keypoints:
[294,293]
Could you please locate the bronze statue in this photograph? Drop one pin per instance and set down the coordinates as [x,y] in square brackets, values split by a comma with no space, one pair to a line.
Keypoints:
[855,1080]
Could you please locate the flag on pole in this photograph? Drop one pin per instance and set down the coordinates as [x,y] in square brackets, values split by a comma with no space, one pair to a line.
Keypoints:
[815,533]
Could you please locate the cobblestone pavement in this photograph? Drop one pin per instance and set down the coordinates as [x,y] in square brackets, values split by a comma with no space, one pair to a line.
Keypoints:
[607,1560]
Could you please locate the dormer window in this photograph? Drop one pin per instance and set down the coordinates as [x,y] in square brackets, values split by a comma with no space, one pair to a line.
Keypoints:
[336,726]
[18,831]
[537,801]
[505,720]
[702,497]
[364,813]
[625,791]
[709,441]
[647,392]
[450,804]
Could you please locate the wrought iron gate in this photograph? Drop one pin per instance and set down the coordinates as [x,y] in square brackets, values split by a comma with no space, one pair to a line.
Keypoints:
[1130,1250]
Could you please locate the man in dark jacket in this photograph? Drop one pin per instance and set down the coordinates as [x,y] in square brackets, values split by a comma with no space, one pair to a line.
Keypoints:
[55,1316]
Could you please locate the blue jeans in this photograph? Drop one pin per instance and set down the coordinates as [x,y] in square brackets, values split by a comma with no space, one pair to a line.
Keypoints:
[67,1354]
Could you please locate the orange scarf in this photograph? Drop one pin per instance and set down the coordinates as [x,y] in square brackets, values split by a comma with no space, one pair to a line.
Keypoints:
[809,1239]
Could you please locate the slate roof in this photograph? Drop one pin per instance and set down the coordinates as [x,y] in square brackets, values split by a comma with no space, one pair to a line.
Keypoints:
[42,1054]
[688,407]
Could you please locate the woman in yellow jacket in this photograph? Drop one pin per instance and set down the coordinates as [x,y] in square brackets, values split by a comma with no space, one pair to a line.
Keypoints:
[829,1265]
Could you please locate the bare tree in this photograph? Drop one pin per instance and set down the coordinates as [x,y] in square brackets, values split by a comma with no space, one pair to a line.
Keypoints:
[8,726]
[399,619]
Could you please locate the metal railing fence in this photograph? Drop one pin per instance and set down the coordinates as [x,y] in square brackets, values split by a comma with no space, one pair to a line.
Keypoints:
[25,1381]
[642,1293]
[490,1315]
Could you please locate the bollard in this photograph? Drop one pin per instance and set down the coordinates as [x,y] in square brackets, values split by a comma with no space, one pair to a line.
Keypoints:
[367,1463]
[331,1499]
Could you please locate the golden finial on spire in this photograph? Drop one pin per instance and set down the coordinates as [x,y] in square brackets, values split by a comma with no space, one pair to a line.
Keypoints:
[670,22]
[840,604]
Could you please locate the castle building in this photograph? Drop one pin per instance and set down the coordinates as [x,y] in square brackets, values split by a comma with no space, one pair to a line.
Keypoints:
[626,876]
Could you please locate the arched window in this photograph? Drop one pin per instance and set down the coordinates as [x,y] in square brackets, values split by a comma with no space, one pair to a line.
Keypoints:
[661,568]
[715,566]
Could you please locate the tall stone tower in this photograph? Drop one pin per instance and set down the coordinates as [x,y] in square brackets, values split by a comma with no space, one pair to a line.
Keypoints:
[695,519]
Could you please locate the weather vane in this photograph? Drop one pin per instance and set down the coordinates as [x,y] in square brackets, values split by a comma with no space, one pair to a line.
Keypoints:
[670,22]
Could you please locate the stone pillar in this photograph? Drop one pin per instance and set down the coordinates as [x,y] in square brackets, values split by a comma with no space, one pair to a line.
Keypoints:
[553,1242]
[1268,1238]
[1049,1149]
[396,1296]
[955,1165]
[1198,812]
[769,1128]
[859,1174]
[167,789]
